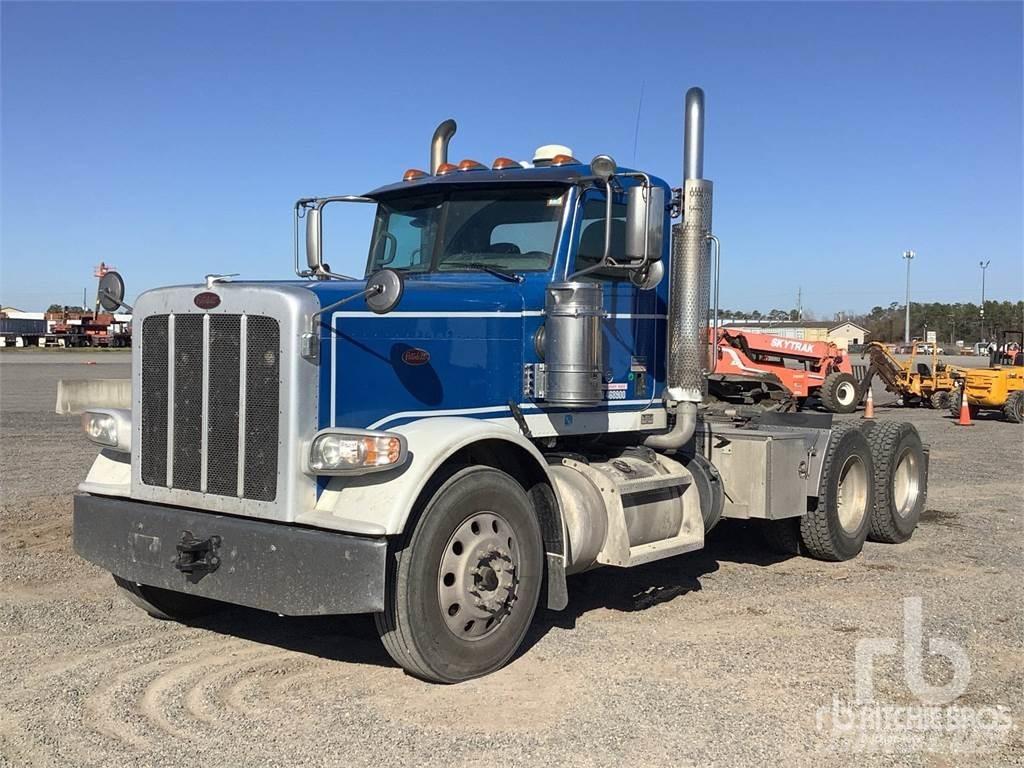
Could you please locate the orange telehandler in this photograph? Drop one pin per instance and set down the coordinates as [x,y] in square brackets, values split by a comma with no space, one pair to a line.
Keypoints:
[779,372]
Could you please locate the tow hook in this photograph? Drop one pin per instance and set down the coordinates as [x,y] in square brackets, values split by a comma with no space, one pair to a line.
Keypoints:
[197,556]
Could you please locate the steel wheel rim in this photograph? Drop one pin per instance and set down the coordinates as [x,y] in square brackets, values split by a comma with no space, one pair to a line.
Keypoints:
[852,494]
[845,393]
[478,578]
[906,484]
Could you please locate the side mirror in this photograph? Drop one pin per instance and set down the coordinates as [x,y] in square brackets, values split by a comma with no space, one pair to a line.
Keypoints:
[314,240]
[384,290]
[645,222]
[110,292]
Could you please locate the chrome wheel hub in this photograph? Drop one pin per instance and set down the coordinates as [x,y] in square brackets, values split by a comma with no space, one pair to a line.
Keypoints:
[852,494]
[478,575]
[905,484]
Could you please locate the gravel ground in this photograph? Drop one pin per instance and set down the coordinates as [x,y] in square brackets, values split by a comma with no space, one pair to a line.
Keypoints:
[724,657]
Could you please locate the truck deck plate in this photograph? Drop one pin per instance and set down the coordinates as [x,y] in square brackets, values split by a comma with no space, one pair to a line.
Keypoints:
[275,567]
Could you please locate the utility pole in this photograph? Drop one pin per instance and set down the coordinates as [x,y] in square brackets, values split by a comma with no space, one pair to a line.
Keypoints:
[799,303]
[908,256]
[984,266]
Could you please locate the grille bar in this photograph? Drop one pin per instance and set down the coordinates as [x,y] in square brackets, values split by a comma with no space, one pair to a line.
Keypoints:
[170,401]
[243,347]
[204,452]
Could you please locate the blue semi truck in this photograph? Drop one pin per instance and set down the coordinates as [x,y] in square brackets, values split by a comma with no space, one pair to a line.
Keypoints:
[515,391]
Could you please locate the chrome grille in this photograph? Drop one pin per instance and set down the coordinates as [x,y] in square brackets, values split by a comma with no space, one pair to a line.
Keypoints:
[210,394]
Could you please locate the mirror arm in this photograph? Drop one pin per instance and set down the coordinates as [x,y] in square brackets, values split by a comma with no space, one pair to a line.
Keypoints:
[317,203]
[120,304]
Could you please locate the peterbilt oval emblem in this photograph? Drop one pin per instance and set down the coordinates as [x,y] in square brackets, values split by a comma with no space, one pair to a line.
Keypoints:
[415,356]
[206,300]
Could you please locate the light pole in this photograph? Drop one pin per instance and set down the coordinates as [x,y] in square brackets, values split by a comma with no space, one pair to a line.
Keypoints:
[908,255]
[984,266]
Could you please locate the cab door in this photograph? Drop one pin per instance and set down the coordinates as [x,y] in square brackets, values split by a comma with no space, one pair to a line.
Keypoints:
[635,318]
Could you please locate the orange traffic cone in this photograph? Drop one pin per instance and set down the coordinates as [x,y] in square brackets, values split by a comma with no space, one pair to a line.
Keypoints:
[869,406]
[965,410]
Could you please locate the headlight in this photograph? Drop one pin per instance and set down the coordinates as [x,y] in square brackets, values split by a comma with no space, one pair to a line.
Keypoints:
[110,427]
[336,452]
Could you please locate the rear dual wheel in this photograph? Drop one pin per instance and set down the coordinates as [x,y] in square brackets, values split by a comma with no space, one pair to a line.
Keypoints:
[837,527]
[464,584]
[900,480]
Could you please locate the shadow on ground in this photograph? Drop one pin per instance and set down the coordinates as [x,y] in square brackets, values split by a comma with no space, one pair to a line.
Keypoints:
[354,639]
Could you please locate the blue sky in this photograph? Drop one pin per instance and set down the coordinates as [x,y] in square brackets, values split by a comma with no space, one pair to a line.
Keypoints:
[171,139]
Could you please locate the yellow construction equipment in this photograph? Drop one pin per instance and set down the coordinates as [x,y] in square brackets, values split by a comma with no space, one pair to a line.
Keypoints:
[997,388]
[914,382]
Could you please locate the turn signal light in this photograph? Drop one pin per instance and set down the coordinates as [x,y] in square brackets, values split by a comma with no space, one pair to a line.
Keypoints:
[445,168]
[564,160]
[471,165]
[412,174]
[505,162]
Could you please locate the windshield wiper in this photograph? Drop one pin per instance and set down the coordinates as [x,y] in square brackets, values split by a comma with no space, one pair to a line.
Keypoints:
[504,274]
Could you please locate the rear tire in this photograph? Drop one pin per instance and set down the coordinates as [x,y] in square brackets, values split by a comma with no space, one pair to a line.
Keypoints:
[1013,410]
[464,583]
[954,405]
[901,480]
[837,527]
[940,400]
[166,604]
[839,393]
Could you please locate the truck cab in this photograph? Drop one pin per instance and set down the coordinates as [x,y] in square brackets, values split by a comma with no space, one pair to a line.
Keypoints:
[514,391]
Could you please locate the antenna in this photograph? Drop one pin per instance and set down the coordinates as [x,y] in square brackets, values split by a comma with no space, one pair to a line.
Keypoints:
[636,130]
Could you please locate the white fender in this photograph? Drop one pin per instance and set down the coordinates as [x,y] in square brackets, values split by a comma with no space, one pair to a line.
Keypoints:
[379,503]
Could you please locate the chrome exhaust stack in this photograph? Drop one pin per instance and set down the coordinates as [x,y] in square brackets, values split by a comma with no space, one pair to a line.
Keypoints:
[439,144]
[689,287]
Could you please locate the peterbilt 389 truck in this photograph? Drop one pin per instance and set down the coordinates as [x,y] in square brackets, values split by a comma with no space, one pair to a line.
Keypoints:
[516,391]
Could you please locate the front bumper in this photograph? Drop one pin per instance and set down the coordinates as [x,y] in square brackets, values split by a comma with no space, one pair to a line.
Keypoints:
[276,567]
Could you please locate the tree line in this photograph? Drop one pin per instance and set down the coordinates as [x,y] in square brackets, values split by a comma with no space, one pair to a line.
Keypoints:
[951,322]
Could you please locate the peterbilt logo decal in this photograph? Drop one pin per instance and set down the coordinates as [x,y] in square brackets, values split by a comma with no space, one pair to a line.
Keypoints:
[415,356]
[206,300]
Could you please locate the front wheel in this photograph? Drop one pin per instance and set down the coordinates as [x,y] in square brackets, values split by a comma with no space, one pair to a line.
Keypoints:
[839,393]
[1013,410]
[940,400]
[464,584]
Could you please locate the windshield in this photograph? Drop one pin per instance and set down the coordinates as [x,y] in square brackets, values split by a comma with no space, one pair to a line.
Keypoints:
[466,230]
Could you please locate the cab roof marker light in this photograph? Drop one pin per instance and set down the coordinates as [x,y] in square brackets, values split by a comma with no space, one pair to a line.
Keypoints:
[471,165]
[564,160]
[445,168]
[504,163]
[413,174]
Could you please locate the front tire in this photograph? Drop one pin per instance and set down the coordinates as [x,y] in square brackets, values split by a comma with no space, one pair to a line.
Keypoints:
[901,480]
[464,584]
[837,527]
[1013,410]
[940,400]
[839,393]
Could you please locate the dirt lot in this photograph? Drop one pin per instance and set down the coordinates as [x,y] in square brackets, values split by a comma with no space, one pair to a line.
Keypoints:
[724,657]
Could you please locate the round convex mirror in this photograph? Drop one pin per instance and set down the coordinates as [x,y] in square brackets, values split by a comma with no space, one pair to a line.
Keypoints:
[386,288]
[111,291]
